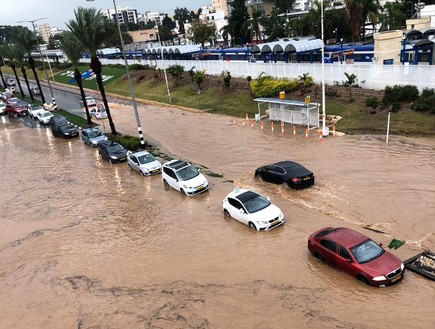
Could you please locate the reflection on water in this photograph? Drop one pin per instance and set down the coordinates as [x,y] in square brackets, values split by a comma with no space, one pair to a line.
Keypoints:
[87,244]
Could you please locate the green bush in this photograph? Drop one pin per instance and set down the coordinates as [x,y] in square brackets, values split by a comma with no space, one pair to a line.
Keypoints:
[129,142]
[372,102]
[269,87]
[399,93]
[425,104]
[395,107]
[139,67]
[427,92]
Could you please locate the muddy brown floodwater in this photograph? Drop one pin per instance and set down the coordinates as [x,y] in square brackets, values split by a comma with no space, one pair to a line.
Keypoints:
[86,244]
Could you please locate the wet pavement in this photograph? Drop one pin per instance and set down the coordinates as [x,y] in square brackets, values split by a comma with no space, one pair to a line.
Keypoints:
[86,244]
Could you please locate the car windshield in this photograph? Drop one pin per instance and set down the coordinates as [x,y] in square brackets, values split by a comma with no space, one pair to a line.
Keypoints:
[187,173]
[115,148]
[366,251]
[94,134]
[146,158]
[256,203]
[46,114]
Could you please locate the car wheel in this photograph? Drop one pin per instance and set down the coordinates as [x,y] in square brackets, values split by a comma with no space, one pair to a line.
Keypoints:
[258,176]
[318,256]
[252,225]
[362,278]
[286,185]
[110,160]
[165,184]
[183,192]
[226,213]
[142,173]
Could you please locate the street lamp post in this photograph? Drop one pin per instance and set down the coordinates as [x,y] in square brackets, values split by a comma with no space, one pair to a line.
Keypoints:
[40,54]
[341,51]
[163,63]
[133,98]
[324,132]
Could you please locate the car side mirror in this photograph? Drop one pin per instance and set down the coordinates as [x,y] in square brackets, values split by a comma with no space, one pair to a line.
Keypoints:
[241,211]
[268,199]
[380,244]
[348,260]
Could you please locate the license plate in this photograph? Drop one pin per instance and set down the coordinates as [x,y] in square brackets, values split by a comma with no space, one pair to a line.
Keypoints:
[396,278]
[306,178]
[122,159]
[154,171]
[199,188]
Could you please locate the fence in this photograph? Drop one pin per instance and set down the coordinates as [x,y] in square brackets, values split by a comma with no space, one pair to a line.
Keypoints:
[370,75]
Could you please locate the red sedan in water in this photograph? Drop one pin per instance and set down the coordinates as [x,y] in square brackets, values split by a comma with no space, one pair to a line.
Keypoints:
[16,109]
[356,254]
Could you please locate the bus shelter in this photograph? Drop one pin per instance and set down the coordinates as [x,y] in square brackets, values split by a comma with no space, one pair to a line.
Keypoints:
[290,111]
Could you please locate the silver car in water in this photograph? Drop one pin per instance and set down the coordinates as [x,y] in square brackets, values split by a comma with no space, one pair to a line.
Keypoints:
[144,162]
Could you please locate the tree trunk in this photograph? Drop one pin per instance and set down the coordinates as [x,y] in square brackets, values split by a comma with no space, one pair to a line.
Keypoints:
[14,68]
[32,66]
[23,71]
[3,79]
[96,68]
[78,77]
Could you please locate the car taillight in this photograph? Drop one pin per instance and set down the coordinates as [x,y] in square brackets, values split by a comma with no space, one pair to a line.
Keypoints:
[295,179]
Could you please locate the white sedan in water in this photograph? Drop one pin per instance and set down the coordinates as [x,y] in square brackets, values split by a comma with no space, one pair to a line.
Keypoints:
[252,209]
[44,116]
[144,163]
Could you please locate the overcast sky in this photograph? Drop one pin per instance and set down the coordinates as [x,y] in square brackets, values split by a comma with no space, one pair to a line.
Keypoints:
[60,11]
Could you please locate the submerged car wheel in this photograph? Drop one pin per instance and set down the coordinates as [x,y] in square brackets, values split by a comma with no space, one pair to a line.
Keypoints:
[258,176]
[165,184]
[362,278]
[226,213]
[252,225]
[286,185]
[183,192]
[110,160]
[318,256]
[142,173]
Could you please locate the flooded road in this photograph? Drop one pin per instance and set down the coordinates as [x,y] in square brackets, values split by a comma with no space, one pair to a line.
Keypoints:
[86,244]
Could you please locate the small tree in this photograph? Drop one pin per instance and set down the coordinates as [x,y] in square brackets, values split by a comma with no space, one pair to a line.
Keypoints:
[198,77]
[306,81]
[350,82]
[177,72]
[227,80]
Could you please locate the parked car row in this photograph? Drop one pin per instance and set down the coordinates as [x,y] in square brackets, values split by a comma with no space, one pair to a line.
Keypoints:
[342,248]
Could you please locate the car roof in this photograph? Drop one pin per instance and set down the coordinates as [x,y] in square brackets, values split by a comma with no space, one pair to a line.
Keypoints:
[241,194]
[344,236]
[109,143]
[177,164]
[139,153]
[91,129]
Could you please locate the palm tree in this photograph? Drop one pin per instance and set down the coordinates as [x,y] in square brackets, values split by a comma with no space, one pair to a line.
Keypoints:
[29,42]
[254,22]
[73,50]
[351,79]
[88,28]
[2,63]
[15,55]
[355,8]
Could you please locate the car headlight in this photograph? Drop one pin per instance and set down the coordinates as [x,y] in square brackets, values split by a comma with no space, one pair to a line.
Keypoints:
[67,134]
[379,278]
[113,157]
[186,187]
[402,267]
[281,215]
[94,142]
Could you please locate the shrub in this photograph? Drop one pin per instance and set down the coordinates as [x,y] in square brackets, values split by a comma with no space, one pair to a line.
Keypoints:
[268,87]
[138,67]
[227,80]
[395,107]
[372,102]
[129,142]
[400,93]
[425,104]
